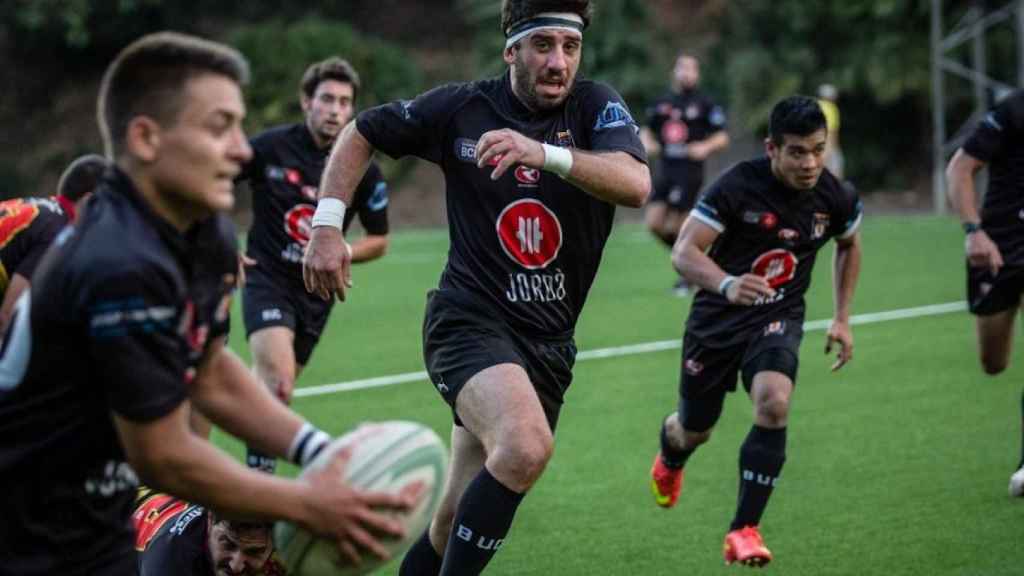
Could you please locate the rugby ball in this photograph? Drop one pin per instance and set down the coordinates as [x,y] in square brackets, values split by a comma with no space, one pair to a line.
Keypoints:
[385,457]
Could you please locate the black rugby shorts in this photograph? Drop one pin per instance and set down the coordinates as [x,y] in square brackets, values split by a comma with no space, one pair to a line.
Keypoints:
[268,300]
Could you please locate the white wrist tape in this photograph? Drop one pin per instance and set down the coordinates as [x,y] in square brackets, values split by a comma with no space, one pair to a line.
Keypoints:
[307,443]
[329,212]
[557,160]
[723,286]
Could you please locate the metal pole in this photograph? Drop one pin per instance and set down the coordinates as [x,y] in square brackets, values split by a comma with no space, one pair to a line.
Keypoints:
[1020,43]
[978,57]
[938,113]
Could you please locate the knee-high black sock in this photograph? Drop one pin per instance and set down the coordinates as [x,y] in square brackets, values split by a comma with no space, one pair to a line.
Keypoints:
[421,559]
[481,522]
[259,460]
[671,456]
[761,459]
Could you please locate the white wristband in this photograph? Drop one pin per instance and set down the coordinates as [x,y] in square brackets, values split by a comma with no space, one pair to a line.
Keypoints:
[557,160]
[329,212]
[307,443]
[723,286]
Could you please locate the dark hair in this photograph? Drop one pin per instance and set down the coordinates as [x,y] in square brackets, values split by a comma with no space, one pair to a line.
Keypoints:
[334,68]
[81,176]
[515,11]
[148,76]
[796,115]
[239,526]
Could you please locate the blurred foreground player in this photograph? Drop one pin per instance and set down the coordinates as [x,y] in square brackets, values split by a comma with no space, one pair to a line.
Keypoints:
[124,326]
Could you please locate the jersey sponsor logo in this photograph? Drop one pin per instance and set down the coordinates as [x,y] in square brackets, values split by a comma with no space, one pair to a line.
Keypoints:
[776,266]
[767,220]
[116,318]
[271,314]
[527,176]
[751,217]
[465,149]
[664,108]
[565,139]
[692,112]
[293,176]
[614,115]
[379,199]
[274,173]
[529,233]
[310,192]
[674,131]
[536,287]
[298,222]
[991,120]
[186,519]
[15,216]
[819,225]
[788,235]
[717,117]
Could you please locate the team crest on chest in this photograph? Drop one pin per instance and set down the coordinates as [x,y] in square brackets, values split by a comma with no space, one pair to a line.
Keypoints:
[297,222]
[529,233]
[820,225]
[776,266]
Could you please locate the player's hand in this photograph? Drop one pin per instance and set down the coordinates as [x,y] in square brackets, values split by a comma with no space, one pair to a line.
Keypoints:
[327,263]
[243,262]
[839,333]
[982,252]
[506,148]
[355,520]
[748,289]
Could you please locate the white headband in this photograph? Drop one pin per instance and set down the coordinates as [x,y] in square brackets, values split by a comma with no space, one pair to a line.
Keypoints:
[564,21]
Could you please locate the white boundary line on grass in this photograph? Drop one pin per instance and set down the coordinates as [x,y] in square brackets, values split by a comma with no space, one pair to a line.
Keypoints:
[644,348]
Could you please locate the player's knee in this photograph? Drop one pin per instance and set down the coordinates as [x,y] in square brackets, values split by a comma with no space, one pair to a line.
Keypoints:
[525,457]
[773,410]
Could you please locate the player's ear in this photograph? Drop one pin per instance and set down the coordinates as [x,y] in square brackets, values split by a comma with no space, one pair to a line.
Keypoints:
[142,139]
[509,55]
[770,148]
[304,101]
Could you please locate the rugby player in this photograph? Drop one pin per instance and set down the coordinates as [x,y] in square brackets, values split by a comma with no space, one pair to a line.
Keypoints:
[750,245]
[535,162]
[995,237]
[282,321]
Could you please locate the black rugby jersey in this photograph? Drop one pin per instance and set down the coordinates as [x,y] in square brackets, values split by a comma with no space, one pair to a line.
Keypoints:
[529,243]
[284,175]
[999,141]
[27,227]
[119,315]
[171,538]
[768,229]
[676,119]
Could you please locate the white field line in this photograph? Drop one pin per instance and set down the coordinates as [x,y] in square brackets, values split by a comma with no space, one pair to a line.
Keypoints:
[643,348]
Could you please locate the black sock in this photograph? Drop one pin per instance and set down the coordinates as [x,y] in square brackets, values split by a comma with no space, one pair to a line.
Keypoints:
[671,456]
[481,522]
[761,459]
[258,460]
[421,559]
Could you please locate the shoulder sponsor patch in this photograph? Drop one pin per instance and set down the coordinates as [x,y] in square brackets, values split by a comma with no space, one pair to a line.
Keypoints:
[465,150]
[379,199]
[614,115]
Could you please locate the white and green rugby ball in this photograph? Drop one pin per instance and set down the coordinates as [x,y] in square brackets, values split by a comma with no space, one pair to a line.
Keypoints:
[386,457]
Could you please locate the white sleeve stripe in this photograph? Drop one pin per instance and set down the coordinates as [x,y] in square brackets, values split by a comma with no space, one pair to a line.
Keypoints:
[852,228]
[718,226]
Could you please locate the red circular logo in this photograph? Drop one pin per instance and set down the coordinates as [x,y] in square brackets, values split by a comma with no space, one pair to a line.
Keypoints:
[768,220]
[674,131]
[529,233]
[776,266]
[297,222]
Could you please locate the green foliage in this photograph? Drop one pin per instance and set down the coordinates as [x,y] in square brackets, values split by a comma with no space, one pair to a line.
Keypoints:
[280,52]
[876,53]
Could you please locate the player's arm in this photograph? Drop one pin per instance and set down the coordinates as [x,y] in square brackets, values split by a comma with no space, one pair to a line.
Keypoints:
[702,149]
[651,144]
[369,247]
[689,256]
[960,172]
[169,457]
[845,272]
[615,177]
[326,264]
[15,287]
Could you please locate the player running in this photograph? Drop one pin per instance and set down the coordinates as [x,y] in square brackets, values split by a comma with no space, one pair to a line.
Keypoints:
[995,240]
[750,245]
[283,322]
